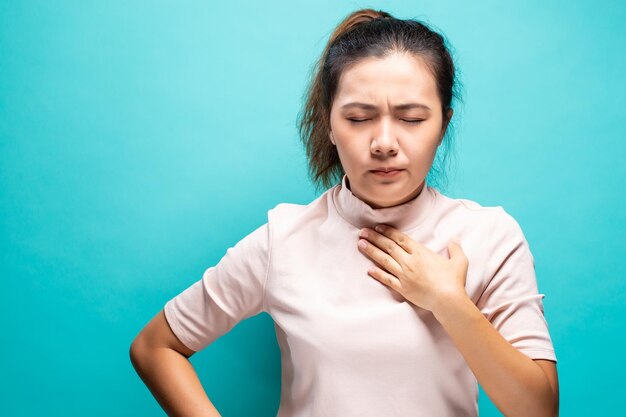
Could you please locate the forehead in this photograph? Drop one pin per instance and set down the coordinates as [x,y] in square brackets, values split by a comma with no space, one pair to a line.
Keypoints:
[397,77]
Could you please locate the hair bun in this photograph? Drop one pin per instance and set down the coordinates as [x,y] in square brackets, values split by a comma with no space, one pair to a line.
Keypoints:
[356,18]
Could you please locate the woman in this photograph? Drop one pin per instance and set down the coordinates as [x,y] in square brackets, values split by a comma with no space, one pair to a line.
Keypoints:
[401,320]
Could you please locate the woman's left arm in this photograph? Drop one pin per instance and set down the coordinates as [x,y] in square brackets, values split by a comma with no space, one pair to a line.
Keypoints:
[516,384]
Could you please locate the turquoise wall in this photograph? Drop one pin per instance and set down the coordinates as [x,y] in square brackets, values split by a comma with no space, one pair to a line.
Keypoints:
[139,140]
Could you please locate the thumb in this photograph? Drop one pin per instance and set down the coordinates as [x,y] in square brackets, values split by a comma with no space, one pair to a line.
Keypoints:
[454,248]
[457,257]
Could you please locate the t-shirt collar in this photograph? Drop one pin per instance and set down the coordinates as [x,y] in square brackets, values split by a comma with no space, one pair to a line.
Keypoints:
[404,216]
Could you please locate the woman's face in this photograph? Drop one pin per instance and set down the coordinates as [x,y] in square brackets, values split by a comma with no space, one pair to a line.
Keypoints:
[387,113]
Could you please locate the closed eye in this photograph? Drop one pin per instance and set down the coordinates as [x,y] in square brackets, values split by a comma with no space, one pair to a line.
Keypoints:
[413,121]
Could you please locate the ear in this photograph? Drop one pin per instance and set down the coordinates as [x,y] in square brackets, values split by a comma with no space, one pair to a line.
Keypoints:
[330,135]
[445,124]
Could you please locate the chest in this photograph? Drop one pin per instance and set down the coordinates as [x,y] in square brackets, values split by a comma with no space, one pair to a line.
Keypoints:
[322,298]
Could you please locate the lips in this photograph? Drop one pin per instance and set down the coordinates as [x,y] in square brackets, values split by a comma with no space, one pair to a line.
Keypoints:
[387,169]
[388,174]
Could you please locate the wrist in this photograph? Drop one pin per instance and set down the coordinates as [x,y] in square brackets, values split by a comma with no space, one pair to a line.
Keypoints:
[449,305]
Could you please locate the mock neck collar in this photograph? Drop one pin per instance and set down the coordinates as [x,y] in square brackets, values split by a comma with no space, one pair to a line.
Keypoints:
[403,216]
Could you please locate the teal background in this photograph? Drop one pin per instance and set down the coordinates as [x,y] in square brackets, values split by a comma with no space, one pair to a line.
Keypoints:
[139,140]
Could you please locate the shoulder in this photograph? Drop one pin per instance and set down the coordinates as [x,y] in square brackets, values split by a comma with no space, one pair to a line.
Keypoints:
[493,222]
[292,215]
[285,210]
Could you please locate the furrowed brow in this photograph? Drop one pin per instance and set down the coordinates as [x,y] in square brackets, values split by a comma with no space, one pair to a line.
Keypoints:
[367,106]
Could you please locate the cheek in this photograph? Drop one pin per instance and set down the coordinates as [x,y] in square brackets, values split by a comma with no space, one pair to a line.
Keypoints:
[341,127]
[435,128]
[352,153]
[348,151]
[336,120]
[428,135]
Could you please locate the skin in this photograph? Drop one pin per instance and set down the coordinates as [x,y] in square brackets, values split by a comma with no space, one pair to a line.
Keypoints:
[387,136]
[162,362]
[517,385]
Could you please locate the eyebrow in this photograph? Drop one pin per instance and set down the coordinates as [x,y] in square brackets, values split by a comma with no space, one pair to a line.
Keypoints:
[368,106]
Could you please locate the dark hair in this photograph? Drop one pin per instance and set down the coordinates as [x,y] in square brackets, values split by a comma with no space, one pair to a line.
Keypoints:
[365,33]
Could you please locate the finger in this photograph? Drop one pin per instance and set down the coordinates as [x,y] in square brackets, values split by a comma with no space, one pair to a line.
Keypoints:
[382,258]
[402,240]
[456,251]
[386,278]
[454,248]
[384,243]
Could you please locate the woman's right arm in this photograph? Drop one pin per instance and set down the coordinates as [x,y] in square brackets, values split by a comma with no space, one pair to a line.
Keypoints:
[162,362]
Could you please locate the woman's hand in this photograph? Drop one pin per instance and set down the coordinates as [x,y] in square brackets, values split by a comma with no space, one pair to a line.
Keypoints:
[420,275]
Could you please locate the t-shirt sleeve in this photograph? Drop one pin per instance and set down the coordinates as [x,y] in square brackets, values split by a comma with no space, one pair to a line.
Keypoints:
[227,293]
[510,300]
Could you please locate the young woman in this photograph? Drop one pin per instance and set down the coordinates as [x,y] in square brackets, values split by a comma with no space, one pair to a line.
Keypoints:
[388,297]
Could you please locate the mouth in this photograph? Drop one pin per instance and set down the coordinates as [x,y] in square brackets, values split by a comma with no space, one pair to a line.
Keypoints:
[387,173]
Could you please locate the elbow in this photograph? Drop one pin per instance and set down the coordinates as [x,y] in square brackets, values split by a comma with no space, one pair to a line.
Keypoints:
[542,401]
[548,389]
[549,409]
[545,406]
[553,410]
[550,403]
[135,352]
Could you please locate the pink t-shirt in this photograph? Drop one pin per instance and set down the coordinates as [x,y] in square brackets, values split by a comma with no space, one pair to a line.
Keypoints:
[351,346]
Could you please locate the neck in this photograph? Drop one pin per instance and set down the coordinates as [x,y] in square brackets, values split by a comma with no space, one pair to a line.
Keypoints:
[375,205]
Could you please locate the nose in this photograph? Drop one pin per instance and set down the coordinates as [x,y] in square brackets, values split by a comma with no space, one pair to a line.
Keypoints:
[384,141]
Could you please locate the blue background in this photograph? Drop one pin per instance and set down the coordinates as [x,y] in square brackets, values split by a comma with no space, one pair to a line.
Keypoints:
[139,140]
